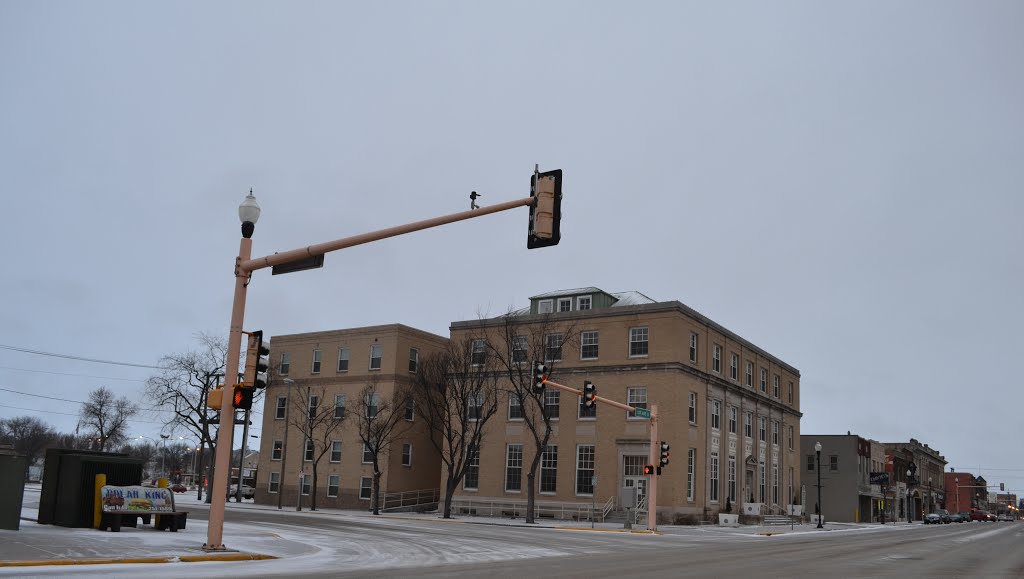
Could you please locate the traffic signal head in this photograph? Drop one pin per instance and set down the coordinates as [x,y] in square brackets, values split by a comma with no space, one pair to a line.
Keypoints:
[664,453]
[649,469]
[589,394]
[256,362]
[540,375]
[215,398]
[546,210]
[242,398]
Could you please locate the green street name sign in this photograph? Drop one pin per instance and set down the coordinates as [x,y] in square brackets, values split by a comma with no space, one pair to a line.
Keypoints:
[641,413]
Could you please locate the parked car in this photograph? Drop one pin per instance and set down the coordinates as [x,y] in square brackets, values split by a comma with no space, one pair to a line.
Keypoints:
[980,515]
[965,516]
[247,491]
[955,518]
[179,488]
[936,518]
[1006,518]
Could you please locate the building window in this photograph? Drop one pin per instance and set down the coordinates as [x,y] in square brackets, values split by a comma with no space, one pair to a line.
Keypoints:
[472,479]
[691,462]
[478,352]
[514,468]
[367,454]
[376,356]
[583,303]
[775,484]
[731,479]
[565,304]
[310,449]
[764,380]
[286,363]
[693,408]
[775,433]
[791,437]
[810,462]
[716,414]
[365,487]
[789,395]
[407,454]
[693,347]
[307,482]
[342,359]
[588,345]
[637,398]
[638,341]
[762,428]
[519,349]
[716,359]
[414,360]
[515,407]
[277,450]
[713,487]
[474,405]
[775,386]
[410,408]
[282,405]
[748,424]
[274,486]
[335,451]
[750,374]
[552,402]
[316,361]
[333,482]
[585,469]
[314,404]
[549,469]
[339,406]
[732,419]
[833,462]
[586,411]
[545,307]
[553,347]
[734,366]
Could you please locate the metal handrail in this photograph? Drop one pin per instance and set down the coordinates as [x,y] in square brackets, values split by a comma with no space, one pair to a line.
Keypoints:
[608,507]
[402,499]
[517,508]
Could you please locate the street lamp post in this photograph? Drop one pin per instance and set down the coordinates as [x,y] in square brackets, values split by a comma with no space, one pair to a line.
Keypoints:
[163,456]
[956,480]
[821,510]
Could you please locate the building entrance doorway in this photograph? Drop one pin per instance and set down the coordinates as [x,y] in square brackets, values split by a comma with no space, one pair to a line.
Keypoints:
[633,476]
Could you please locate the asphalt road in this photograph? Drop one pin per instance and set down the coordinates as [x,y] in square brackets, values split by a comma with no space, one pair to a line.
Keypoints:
[370,547]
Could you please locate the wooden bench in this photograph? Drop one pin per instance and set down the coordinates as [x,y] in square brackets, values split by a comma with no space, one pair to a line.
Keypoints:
[124,506]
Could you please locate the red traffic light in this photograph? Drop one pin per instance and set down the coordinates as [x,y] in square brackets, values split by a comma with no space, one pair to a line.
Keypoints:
[242,398]
[649,469]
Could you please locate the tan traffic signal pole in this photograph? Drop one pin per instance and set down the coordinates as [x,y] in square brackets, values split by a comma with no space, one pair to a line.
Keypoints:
[244,266]
[654,458]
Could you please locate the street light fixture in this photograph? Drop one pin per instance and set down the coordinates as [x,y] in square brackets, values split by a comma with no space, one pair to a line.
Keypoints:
[821,511]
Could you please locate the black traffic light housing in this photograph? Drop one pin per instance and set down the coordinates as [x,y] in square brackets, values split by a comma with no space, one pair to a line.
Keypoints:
[589,394]
[241,399]
[540,375]
[649,469]
[546,211]
[255,361]
[664,453]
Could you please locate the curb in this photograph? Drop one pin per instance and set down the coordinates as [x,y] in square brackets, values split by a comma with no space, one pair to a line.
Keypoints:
[631,531]
[135,560]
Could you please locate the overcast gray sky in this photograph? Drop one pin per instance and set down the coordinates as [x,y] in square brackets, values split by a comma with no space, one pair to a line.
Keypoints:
[837,182]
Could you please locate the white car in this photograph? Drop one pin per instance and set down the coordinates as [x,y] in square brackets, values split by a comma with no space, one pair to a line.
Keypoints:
[247,491]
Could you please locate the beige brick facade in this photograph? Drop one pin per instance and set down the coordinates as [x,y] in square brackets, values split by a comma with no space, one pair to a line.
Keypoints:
[668,377]
[395,343]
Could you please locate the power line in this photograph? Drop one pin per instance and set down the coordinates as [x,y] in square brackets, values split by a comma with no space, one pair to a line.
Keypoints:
[70,357]
[71,374]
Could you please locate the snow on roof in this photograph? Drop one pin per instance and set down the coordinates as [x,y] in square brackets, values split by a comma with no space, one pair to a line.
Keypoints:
[631,298]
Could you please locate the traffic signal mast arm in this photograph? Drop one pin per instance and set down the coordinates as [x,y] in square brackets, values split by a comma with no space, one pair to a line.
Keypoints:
[251,265]
[626,407]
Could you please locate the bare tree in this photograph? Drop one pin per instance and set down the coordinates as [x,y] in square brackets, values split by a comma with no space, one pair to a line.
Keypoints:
[147,452]
[28,435]
[378,418]
[105,417]
[515,342]
[183,388]
[457,395]
[71,440]
[319,423]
